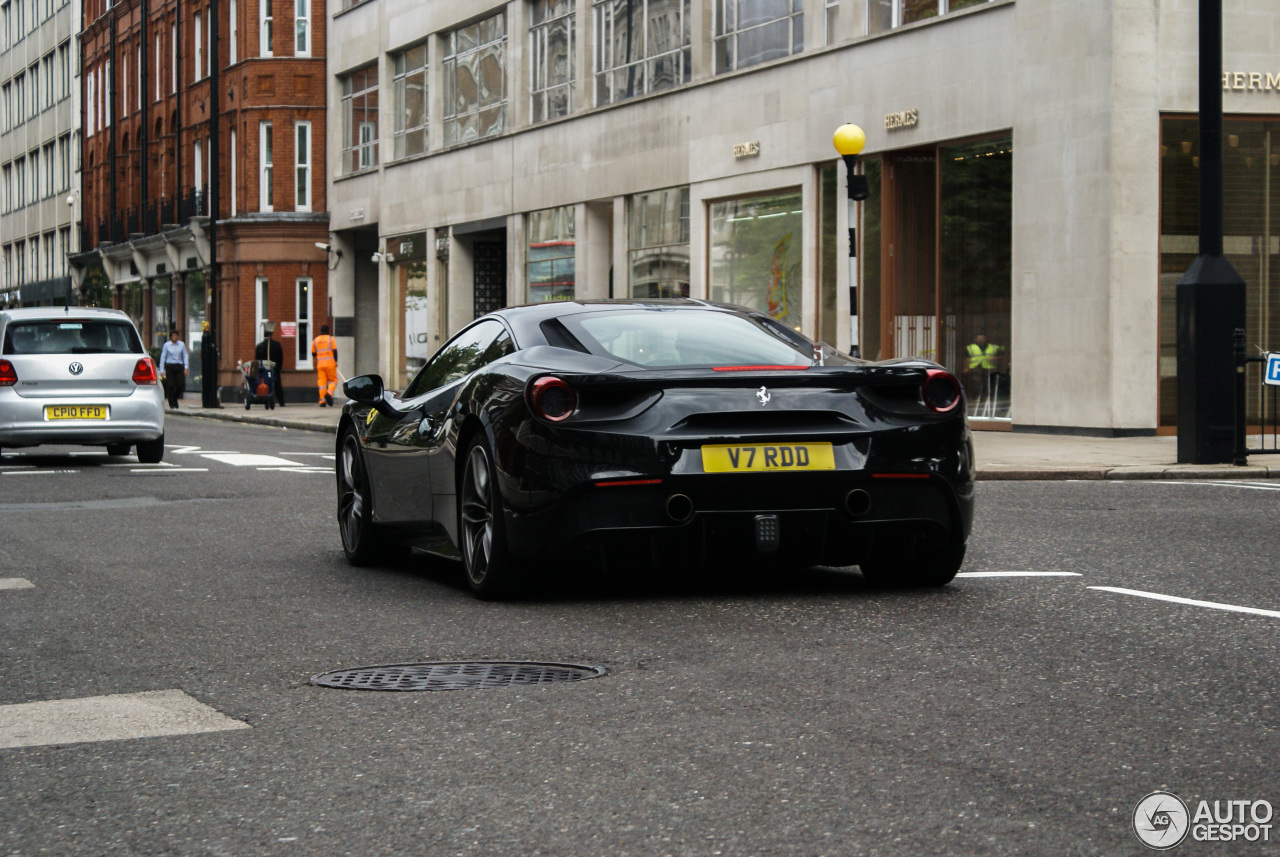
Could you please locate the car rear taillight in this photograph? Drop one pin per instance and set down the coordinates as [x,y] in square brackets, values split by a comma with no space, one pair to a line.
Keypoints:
[552,399]
[144,372]
[8,377]
[941,391]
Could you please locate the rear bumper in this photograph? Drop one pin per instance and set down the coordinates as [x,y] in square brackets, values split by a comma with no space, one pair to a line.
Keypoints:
[818,520]
[136,417]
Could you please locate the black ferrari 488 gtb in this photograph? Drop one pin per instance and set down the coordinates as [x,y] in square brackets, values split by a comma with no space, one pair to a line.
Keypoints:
[690,432]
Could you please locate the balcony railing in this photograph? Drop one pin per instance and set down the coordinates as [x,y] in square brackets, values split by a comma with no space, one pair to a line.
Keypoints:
[148,219]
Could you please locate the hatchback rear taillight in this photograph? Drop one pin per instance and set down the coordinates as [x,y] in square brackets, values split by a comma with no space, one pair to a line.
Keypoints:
[145,372]
[941,391]
[552,399]
[8,377]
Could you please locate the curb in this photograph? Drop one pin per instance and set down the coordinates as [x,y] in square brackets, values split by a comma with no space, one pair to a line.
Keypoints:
[273,422]
[999,473]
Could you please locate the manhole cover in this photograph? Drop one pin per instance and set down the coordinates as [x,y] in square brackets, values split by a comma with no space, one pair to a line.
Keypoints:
[471,675]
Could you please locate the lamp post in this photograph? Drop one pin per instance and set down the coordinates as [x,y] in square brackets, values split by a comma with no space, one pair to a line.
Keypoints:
[1211,294]
[849,140]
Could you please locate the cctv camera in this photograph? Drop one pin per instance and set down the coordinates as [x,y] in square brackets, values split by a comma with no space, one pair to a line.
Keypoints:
[320,245]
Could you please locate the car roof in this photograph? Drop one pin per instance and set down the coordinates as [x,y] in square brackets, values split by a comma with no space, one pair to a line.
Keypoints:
[524,320]
[41,313]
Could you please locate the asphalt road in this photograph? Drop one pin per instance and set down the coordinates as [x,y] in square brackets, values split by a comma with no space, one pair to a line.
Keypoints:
[799,715]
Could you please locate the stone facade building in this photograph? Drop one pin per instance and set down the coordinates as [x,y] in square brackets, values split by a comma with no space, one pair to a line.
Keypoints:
[1032,168]
[151,155]
[39,149]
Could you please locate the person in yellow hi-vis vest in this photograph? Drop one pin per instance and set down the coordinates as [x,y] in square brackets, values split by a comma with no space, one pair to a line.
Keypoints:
[324,351]
[985,369]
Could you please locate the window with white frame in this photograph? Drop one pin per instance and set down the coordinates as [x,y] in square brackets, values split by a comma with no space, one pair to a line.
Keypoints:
[551,46]
[302,314]
[64,234]
[885,15]
[302,165]
[8,187]
[266,167]
[47,62]
[64,158]
[173,59]
[158,82]
[34,160]
[138,99]
[49,164]
[20,253]
[641,46]
[260,309]
[64,61]
[409,89]
[6,107]
[91,102]
[197,171]
[360,120]
[20,99]
[106,90]
[234,35]
[6,34]
[475,81]
[748,32]
[33,75]
[266,19]
[197,21]
[302,28]
[20,180]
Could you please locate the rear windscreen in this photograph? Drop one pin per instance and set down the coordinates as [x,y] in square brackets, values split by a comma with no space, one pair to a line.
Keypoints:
[689,337]
[71,336]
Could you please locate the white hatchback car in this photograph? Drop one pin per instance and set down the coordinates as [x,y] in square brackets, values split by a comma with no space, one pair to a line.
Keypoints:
[74,375]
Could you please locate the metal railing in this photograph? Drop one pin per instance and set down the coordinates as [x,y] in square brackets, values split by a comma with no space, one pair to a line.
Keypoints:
[1268,408]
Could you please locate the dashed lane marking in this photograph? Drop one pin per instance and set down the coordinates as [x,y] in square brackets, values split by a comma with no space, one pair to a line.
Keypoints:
[1018,574]
[109,718]
[1254,486]
[1191,602]
[16,583]
[36,472]
[170,469]
[248,459]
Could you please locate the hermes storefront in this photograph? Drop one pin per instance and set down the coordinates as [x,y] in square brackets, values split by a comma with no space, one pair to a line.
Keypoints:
[1032,195]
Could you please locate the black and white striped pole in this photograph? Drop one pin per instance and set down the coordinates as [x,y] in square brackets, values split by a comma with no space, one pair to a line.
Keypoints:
[849,140]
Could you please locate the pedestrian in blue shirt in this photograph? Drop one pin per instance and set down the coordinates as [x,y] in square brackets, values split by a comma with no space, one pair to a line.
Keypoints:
[174,361]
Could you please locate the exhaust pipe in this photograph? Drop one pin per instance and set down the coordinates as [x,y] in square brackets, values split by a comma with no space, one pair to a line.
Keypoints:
[679,508]
[857,502]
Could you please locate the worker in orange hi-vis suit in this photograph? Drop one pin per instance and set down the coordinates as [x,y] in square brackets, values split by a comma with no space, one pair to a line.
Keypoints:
[324,351]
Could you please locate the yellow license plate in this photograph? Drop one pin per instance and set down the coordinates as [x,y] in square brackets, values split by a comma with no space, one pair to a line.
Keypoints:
[75,412]
[769,457]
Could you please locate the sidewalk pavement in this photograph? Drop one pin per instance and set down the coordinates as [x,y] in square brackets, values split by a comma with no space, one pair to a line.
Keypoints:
[1000,454]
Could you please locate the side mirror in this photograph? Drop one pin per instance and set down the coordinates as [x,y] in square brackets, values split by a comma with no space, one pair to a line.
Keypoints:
[364,388]
[367,389]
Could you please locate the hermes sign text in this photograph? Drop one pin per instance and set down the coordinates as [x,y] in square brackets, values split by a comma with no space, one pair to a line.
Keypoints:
[902,119]
[1250,81]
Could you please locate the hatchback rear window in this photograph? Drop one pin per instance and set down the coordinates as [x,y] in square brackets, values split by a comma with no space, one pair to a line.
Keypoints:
[71,336]
[688,337]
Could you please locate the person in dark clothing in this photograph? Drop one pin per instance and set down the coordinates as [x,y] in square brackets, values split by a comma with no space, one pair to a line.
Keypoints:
[271,349]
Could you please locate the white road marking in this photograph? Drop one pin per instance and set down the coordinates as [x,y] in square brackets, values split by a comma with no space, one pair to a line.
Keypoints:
[247,459]
[301,468]
[1018,574]
[109,718]
[1256,486]
[328,455]
[1213,605]
[36,472]
[16,583]
[170,469]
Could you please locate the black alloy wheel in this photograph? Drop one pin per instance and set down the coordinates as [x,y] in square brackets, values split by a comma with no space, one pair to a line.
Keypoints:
[358,532]
[490,570]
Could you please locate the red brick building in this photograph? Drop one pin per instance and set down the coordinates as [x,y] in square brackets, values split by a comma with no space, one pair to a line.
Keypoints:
[152,151]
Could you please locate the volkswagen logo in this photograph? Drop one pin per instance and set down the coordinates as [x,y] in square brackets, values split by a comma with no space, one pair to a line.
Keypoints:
[77,368]
[763,395]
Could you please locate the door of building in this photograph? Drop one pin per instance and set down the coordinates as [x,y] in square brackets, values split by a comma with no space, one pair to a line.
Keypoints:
[490,259]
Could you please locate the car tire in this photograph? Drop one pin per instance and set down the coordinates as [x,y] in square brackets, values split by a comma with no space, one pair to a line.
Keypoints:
[117,449]
[490,570]
[151,451]
[918,568]
[362,542]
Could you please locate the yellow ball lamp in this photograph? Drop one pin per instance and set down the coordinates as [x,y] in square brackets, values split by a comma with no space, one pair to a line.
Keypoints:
[849,140]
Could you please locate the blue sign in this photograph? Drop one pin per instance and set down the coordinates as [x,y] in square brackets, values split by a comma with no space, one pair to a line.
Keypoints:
[1272,375]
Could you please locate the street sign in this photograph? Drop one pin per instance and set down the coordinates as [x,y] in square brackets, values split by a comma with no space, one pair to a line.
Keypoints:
[1272,375]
